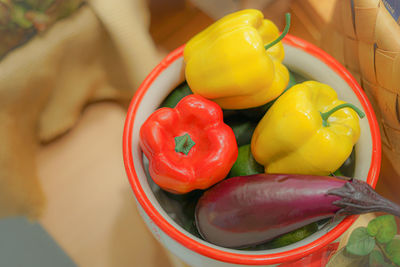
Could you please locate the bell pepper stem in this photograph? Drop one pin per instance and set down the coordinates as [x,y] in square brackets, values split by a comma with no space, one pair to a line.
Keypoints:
[326,115]
[285,31]
[183,143]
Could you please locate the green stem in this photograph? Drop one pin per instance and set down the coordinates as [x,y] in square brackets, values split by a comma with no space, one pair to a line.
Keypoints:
[285,31]
[384,253]
[326,115]
[184,143]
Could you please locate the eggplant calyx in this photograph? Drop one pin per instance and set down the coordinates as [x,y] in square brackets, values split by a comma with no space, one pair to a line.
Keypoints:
[358,197]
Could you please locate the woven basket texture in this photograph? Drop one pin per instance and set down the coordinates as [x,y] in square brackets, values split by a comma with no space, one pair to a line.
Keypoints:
[365,38]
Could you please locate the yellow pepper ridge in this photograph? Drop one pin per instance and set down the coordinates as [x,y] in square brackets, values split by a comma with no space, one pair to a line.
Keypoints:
[228,62]
[293,138]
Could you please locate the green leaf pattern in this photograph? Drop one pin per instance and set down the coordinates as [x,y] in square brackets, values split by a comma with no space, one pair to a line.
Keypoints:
[360,242]
[393,251]
[383,228]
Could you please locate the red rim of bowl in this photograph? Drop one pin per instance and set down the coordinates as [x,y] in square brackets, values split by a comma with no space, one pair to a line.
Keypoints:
[238,258]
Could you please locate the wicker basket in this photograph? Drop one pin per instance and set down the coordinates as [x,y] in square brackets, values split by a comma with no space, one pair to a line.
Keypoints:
[365,38]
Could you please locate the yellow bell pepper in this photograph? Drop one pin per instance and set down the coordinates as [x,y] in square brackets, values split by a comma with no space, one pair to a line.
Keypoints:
[308,130]
[229,63]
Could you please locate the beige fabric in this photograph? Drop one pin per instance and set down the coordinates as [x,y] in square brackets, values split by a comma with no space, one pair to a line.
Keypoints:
[102,52]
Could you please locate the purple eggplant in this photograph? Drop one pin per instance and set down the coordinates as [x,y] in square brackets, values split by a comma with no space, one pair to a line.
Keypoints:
[249,210]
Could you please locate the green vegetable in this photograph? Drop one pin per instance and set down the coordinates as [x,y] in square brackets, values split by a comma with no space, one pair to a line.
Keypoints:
[383,228]
[245,163]
[360,242]
[180,207]
[176,95]
[242,127]
[255,114]
[347,168]
[293,236]
[292,80]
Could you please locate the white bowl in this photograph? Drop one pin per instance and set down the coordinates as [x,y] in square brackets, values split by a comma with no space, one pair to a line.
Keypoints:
[300,57]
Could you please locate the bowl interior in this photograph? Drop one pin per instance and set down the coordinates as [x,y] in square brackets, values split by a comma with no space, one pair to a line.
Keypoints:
[298,61]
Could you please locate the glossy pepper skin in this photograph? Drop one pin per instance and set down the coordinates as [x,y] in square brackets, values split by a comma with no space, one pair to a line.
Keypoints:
[227,62]
[291,137]
[207,162]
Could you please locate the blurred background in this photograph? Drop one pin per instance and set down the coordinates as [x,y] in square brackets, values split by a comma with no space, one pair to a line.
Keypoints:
[68,69]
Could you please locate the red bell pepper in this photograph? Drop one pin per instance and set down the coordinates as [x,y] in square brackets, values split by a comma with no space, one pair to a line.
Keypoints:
[189,147]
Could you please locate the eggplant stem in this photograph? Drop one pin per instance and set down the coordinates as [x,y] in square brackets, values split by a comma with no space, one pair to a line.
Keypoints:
[337,214]
[358,197]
